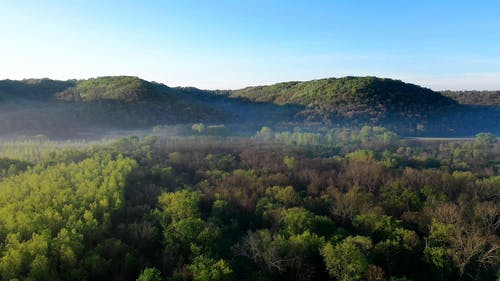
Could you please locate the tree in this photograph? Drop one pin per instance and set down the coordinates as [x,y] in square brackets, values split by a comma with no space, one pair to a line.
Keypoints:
[265,250]
[180,204]
[265,133]
[485,139]
[204,268]
[289,162]
[150,274]
[347,260]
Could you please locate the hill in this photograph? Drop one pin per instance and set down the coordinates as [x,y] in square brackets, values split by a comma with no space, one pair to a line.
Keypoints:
[475,97]
[76,107]
[366,98]
[33,89]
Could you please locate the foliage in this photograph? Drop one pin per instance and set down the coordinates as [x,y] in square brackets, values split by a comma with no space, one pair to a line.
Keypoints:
[205,208]
[351,97]
[150,274]
[347,260]
[53,218]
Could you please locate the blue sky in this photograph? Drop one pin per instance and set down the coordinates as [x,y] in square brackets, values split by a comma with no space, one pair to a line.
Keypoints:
[232,44]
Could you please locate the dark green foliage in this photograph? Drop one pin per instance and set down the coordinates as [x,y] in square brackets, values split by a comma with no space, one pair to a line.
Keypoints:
[88,107]
[92,106]
[35,89]
[352,97]
[475,97]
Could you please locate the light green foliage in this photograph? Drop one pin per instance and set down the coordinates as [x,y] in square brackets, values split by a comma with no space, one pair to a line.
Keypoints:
[284,195]
[436,251]
[298,220]
[207,269]
[485,139]
[265,133]
[47,215]
[126,88]
[386,228]
[361,155]
[337,137]
[383,227]
[185,232]
[179,205]
[347,260]
[398,198]
[36,150]
[150,274]
[289,162]
[390,238]
[495,181]
[391,160]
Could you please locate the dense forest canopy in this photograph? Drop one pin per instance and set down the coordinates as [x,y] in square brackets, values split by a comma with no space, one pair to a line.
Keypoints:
[475,97]
[301,181]
[36,89]
[340,204]
[109,103]
[352,96]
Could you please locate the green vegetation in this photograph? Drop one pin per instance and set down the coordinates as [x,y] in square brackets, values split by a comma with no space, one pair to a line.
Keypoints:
[121,88]
[74,108]
[54,220]
[352,97]
[328,205]
[35,89]
[475,97]
[206,199]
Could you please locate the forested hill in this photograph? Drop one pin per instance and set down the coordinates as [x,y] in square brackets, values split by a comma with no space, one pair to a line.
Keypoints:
[125,89]
[66,108]
[44,106]
[352,97]
[33,89]
[475,97]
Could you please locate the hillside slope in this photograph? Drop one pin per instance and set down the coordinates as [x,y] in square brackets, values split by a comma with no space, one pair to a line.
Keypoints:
[74,107]
[68,107]
[475,97]
[352,98]
[32,89]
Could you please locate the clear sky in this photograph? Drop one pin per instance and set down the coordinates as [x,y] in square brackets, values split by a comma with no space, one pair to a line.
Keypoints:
[235,43]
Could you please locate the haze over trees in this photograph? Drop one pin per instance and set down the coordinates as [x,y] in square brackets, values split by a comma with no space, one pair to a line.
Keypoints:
[475,97]
[101,104]
[339,205]
[295,181]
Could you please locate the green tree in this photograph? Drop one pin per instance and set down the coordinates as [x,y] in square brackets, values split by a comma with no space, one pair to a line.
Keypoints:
[204,268]
[180,204]
[265,133]
[485,139]
[150,274]
[289,162]
[347,260]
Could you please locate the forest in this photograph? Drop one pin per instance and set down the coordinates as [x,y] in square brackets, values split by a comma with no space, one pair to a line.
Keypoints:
[76,109]
[198,203]
[490,98]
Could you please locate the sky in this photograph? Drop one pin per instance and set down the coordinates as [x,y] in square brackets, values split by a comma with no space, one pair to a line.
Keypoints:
[231,44]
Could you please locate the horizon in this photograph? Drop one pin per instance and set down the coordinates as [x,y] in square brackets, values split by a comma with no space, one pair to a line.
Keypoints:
[227,45]
[232,89]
